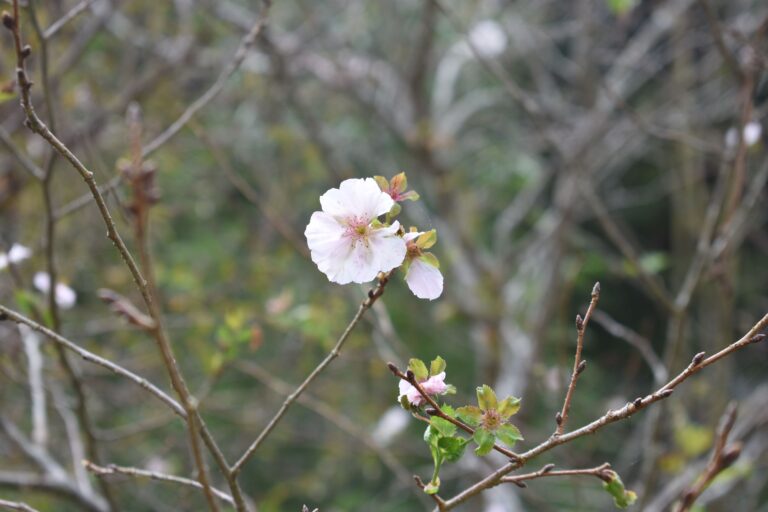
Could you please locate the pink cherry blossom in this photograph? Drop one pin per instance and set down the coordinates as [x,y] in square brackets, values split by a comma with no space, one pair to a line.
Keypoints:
[434,385]
[344,241]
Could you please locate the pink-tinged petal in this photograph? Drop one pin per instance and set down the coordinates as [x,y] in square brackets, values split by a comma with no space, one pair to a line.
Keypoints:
[387,247]
[412,235]
[403,386]
[358,267]
[415,397]
[435,385]
[424,280]
[327,245]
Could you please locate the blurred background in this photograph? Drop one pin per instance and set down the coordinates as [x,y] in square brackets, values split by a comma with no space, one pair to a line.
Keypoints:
[554,144]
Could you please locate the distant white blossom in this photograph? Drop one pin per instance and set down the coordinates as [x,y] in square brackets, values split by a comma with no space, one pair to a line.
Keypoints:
[488,38]
[346,240]
[16,254]
[64,295]
[752,133]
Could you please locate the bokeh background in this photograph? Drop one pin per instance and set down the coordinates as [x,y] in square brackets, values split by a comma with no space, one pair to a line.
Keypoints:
[554,144]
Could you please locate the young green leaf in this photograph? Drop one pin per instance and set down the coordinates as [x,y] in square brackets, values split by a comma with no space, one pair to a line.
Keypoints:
[427,240]
[509,434]
[452,448]
[437,366]
[509,406]
[485,441]
[444,427]
[469,414]
[622,498]
[486,398]
[418,368]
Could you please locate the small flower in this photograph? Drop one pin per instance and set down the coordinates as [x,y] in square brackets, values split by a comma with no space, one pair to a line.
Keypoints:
[16,254]
[346,240]
[64,295]
[432,381]
[488,38]
[422,268]
[490,419]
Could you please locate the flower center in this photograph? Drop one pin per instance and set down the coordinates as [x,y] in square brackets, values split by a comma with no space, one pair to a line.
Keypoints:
[413,250]
[357,229]
[491,419]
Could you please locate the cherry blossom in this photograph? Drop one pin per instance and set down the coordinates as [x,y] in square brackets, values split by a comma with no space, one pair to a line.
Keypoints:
[346,240]
[423,275]
[434,385]
[16,254]
[64,295]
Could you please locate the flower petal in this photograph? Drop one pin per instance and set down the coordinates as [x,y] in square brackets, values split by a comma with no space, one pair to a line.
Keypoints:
[424,280]
[361,198]
[387,247]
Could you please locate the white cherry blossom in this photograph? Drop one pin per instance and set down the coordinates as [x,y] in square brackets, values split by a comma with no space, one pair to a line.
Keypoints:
[346,241]
[16,254]
[64,295]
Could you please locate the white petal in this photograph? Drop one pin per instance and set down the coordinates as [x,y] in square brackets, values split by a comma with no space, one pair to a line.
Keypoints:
[752,132]
[65,296]
[424,280]
[3,261]
[360,198]
[42,281]
[404,387]
[327,245]
[388,248]
[412,235]
[18,253]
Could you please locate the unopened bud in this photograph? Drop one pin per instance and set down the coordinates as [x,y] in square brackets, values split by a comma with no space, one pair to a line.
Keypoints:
[582,366]
[431,412]
[548,468]
[638,402]
[522,485]
[410,376]
[393,368]
[730,455]
[26,51]
[8,21]
[558,418]
[666,393]
[596,289]
[698,358]
[579,323]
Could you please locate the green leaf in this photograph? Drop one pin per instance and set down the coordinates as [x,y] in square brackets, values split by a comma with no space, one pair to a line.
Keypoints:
[430,259]
[427,240]
[444,427]
[485,441]
[405,404]
[437,366]
[621,6]
[452,448]
[470,415]
[486,398]
[382,182]
[395,210]
[509,406]
[418,368]
[622,498]
[509,434]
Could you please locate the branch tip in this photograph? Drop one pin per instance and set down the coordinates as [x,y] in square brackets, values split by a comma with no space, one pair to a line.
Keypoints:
[596,290]
[393,368]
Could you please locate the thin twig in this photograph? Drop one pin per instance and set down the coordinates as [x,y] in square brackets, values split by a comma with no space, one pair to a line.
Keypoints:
[698,363]
[436,410]
[603,472]
[113,469]
[721,459]
[16,505]
[93,358]
[373,295]
[242,51]
[578,365]
[69,16]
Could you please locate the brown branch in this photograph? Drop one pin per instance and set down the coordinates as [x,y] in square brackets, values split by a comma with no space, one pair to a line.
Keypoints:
[698,363]
[721,459]
[603,472]
[578,364]
[410,378]
[373,296]
[113,469]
